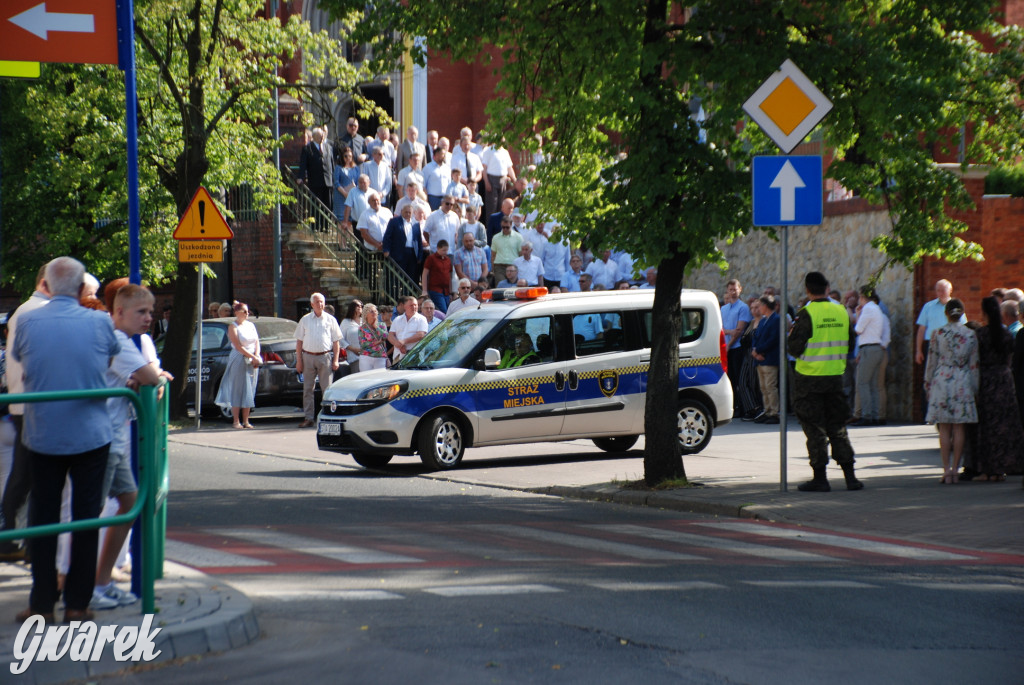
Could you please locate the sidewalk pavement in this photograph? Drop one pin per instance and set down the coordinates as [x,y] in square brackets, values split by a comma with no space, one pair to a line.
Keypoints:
[195,615]
[738,475]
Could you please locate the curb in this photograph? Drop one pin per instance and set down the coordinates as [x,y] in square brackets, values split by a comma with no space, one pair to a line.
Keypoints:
[640,498]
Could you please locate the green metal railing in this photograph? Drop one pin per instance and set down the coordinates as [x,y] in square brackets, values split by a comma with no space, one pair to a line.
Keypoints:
[379,277]
[151,504]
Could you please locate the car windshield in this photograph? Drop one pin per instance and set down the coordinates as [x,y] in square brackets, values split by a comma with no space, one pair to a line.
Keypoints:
[449,343]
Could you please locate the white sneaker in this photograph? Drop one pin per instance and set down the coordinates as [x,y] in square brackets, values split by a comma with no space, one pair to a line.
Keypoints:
[100,601]
[111,598]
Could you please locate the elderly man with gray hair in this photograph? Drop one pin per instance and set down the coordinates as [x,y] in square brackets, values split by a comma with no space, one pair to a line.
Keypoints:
[68,439]
[317,348]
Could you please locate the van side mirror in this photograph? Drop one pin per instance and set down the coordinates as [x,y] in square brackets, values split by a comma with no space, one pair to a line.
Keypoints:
[490,361]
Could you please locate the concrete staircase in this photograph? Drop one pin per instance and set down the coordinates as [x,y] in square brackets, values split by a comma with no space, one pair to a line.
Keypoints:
[336,276]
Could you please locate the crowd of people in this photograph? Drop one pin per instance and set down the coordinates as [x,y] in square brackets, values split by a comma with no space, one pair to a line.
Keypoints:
[973,372]
[403,199]
[87,470]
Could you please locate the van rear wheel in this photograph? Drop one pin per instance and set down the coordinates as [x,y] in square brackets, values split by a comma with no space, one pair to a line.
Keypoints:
[619,443]
[442,442]
[695,426]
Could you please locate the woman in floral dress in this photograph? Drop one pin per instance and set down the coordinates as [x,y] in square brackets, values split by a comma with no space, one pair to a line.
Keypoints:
[1000,436]
[373,341]
[951,381]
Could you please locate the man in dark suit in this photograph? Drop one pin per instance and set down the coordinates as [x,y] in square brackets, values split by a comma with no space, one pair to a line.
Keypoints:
[494,220]
[403,242]
[316,167]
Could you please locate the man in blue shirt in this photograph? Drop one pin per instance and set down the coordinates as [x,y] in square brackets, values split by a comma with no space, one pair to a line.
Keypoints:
[67,438]
[735,317]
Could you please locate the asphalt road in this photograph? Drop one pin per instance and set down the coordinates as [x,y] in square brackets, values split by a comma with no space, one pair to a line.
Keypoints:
[360,577]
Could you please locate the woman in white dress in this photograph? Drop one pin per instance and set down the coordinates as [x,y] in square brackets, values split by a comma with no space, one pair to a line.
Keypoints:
[350,334]
[238,384]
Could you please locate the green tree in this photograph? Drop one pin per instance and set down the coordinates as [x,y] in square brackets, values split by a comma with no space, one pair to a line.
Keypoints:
[206,70]
[615,83]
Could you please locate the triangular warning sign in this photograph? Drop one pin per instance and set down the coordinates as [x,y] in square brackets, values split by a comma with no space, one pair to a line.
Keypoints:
[202,220]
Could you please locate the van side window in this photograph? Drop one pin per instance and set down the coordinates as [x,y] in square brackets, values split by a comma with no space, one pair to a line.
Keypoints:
[523,342]
[692,328]
[598,332]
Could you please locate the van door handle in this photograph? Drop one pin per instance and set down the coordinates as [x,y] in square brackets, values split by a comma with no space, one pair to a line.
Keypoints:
[574,380]
[559,381]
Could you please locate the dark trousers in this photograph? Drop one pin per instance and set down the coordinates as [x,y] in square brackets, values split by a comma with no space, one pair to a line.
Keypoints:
[19,482]
[49,472]
[823,415]
[735,360]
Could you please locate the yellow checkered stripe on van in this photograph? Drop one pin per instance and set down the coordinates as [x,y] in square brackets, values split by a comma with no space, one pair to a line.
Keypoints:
[478,387]
[644,368]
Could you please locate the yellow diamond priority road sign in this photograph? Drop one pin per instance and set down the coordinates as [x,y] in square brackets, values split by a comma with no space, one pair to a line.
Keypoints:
[787,106]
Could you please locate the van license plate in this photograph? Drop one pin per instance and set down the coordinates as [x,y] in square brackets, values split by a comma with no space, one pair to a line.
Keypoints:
[330,428]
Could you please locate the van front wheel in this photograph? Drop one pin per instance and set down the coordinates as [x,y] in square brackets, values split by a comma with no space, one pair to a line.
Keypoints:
[695,426]
[442,442]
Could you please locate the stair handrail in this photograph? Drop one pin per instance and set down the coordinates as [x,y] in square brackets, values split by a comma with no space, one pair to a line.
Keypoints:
[378,276]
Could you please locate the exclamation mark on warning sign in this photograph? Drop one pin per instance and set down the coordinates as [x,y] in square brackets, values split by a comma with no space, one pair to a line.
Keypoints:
[202,216]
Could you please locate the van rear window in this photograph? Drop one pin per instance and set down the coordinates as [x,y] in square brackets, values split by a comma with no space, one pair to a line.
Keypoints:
[691,330]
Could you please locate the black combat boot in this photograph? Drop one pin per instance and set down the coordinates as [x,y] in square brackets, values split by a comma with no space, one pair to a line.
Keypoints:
[851,480]
[817,484]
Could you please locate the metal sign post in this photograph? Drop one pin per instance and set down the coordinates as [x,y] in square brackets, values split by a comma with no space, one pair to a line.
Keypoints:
[787,190]
[199,349]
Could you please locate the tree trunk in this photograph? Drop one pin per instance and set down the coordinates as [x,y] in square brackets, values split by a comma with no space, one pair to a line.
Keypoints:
[178,343]
[662,457]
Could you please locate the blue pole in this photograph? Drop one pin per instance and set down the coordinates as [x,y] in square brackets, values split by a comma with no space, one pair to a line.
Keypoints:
[126,60]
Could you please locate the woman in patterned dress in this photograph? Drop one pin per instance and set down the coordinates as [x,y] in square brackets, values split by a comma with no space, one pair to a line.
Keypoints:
[373,341]
[951,382]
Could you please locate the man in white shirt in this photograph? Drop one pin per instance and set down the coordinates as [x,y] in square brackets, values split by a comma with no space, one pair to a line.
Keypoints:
[379,172]
[604,271]
[870,330]
[467,162]
[464,300]
[437,175]
[407,329]
[356,203]
[383,141]
[442,224]
[652,278]
[499,175]
[412,172]
[530,267]
[374,222]
[316,354]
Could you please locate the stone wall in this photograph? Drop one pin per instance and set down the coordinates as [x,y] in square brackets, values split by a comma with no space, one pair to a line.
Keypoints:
[841,249]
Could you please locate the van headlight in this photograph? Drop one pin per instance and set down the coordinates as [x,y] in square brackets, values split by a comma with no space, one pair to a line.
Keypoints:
[383,393]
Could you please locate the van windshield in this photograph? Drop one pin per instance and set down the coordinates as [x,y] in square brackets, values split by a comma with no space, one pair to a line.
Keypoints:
[448,344]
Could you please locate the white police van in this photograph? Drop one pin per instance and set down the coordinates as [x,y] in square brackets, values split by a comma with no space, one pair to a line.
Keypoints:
[530,367]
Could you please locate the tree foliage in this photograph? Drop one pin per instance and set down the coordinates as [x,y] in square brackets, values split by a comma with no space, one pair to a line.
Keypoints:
[206,70]
[616,82]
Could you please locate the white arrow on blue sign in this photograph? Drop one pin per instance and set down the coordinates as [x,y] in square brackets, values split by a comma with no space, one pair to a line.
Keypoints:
[787,190]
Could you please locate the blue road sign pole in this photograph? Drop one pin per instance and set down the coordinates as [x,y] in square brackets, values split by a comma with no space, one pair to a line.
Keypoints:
[126,60]
[783,362]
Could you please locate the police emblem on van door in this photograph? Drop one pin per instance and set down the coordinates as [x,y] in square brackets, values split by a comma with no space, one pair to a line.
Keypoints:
[609,382]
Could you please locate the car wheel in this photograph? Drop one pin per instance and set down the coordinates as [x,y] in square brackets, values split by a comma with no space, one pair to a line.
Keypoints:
[616,444]
[442,442]
[371,461]
[695,426]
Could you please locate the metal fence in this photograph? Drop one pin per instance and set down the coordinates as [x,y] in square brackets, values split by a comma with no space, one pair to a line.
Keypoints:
[151,504]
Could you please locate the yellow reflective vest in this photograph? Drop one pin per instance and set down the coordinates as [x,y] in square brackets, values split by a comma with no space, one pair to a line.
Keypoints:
[825,354]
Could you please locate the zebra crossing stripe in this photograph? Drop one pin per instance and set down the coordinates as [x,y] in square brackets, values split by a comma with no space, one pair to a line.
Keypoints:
[324,595]
[482,590]
[725,544]
[843,542]
[628,586]
[824,584]
[316,547]
[205,557]
[969,587]
[593,544]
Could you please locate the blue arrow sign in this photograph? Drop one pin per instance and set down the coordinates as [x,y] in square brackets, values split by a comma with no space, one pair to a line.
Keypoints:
[787,190]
